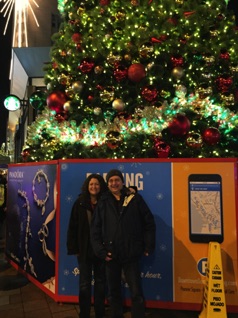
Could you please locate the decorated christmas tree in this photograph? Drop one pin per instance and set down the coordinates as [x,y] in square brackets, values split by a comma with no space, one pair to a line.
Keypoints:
[139,79]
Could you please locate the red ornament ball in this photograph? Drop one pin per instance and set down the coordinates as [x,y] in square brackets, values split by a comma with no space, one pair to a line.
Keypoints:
[224,83]
[161,148]
[149,93]
[55,101]
[136,72]
[120,73]
[177,61]
[76,38]
[180,125]
[113,139]
[123,116]
[60,117]
[211,136]
[86,65]
[104,2]
[26,154]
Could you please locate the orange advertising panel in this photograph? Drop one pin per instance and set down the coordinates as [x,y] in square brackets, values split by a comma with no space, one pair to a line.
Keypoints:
[204,210]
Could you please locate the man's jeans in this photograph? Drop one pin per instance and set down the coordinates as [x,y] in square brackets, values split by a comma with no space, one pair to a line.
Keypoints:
[133,278]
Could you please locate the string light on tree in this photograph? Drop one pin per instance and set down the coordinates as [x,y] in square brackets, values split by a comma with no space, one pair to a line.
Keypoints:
[144,84]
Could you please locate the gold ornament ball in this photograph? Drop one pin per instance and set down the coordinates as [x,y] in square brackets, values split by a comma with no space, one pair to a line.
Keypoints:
[67,106]
[134,3]
[178,72]
[234,68]
[127,57]
[228,99]
[118,105]
[97,111]
[180,2]
[113,58]
[180,91]
[49,86]
[150,66]
[146,50]
[98,69]
[113,139]
[107,96]
[64,79]
[69,92]
[77,87]
[209,59]
[194,140]
[203,92]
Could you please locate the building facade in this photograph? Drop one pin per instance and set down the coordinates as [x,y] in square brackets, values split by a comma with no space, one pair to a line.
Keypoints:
[30,52]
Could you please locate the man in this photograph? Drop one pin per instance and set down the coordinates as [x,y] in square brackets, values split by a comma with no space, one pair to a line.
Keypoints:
[123,229]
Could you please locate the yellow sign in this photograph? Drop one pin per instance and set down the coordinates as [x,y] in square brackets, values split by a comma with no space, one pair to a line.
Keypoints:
[214,302]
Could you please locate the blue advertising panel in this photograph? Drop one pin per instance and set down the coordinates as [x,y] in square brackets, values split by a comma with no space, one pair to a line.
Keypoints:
[153,181]
[30,233]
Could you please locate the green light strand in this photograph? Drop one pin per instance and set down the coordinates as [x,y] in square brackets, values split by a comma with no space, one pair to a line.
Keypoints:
[61,6]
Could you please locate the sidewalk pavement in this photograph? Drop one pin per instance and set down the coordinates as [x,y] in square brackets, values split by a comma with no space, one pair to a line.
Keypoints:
[19,298]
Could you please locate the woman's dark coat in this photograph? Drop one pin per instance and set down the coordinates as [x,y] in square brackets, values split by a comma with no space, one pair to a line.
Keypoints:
[78,235]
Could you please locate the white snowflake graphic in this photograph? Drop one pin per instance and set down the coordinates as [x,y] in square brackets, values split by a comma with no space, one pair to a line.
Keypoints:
[121,167]
[136,164]
[159,196]
[64,166]
[163,247]
[66,272]
[69,198]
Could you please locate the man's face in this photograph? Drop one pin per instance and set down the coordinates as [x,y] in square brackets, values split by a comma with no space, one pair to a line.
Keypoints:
[115,185]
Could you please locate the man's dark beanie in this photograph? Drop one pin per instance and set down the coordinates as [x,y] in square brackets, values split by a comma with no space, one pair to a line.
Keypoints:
[114,172]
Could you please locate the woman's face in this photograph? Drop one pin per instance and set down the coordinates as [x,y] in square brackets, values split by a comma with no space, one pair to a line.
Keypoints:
[94,187]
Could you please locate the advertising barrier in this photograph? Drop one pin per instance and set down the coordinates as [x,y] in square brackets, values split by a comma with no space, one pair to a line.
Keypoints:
[194,202]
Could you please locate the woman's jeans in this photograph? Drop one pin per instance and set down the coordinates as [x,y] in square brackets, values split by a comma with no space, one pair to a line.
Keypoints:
[85,287]
[133,278]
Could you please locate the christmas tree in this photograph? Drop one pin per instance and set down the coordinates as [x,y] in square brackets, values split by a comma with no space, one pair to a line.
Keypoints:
[139,79]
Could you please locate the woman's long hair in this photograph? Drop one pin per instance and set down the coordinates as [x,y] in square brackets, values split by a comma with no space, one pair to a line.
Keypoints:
[103,186]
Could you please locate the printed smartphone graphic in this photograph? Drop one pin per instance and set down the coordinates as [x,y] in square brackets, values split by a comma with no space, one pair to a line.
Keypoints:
[205,208]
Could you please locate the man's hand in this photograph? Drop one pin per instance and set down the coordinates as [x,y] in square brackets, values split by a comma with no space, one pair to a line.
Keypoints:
[108,258]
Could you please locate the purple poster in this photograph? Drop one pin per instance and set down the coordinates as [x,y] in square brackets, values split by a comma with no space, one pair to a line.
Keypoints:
[30,233]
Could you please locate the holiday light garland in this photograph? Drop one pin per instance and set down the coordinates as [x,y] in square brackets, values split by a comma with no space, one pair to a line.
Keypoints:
[61,5]
[154,120]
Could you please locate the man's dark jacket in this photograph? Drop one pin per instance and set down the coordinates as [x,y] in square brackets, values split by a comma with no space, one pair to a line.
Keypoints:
[127,232]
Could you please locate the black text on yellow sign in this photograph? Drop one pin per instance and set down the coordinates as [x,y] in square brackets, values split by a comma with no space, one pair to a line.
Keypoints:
[214,303]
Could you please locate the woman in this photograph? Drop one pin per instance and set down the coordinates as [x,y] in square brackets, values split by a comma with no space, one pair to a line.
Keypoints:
[78,243]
